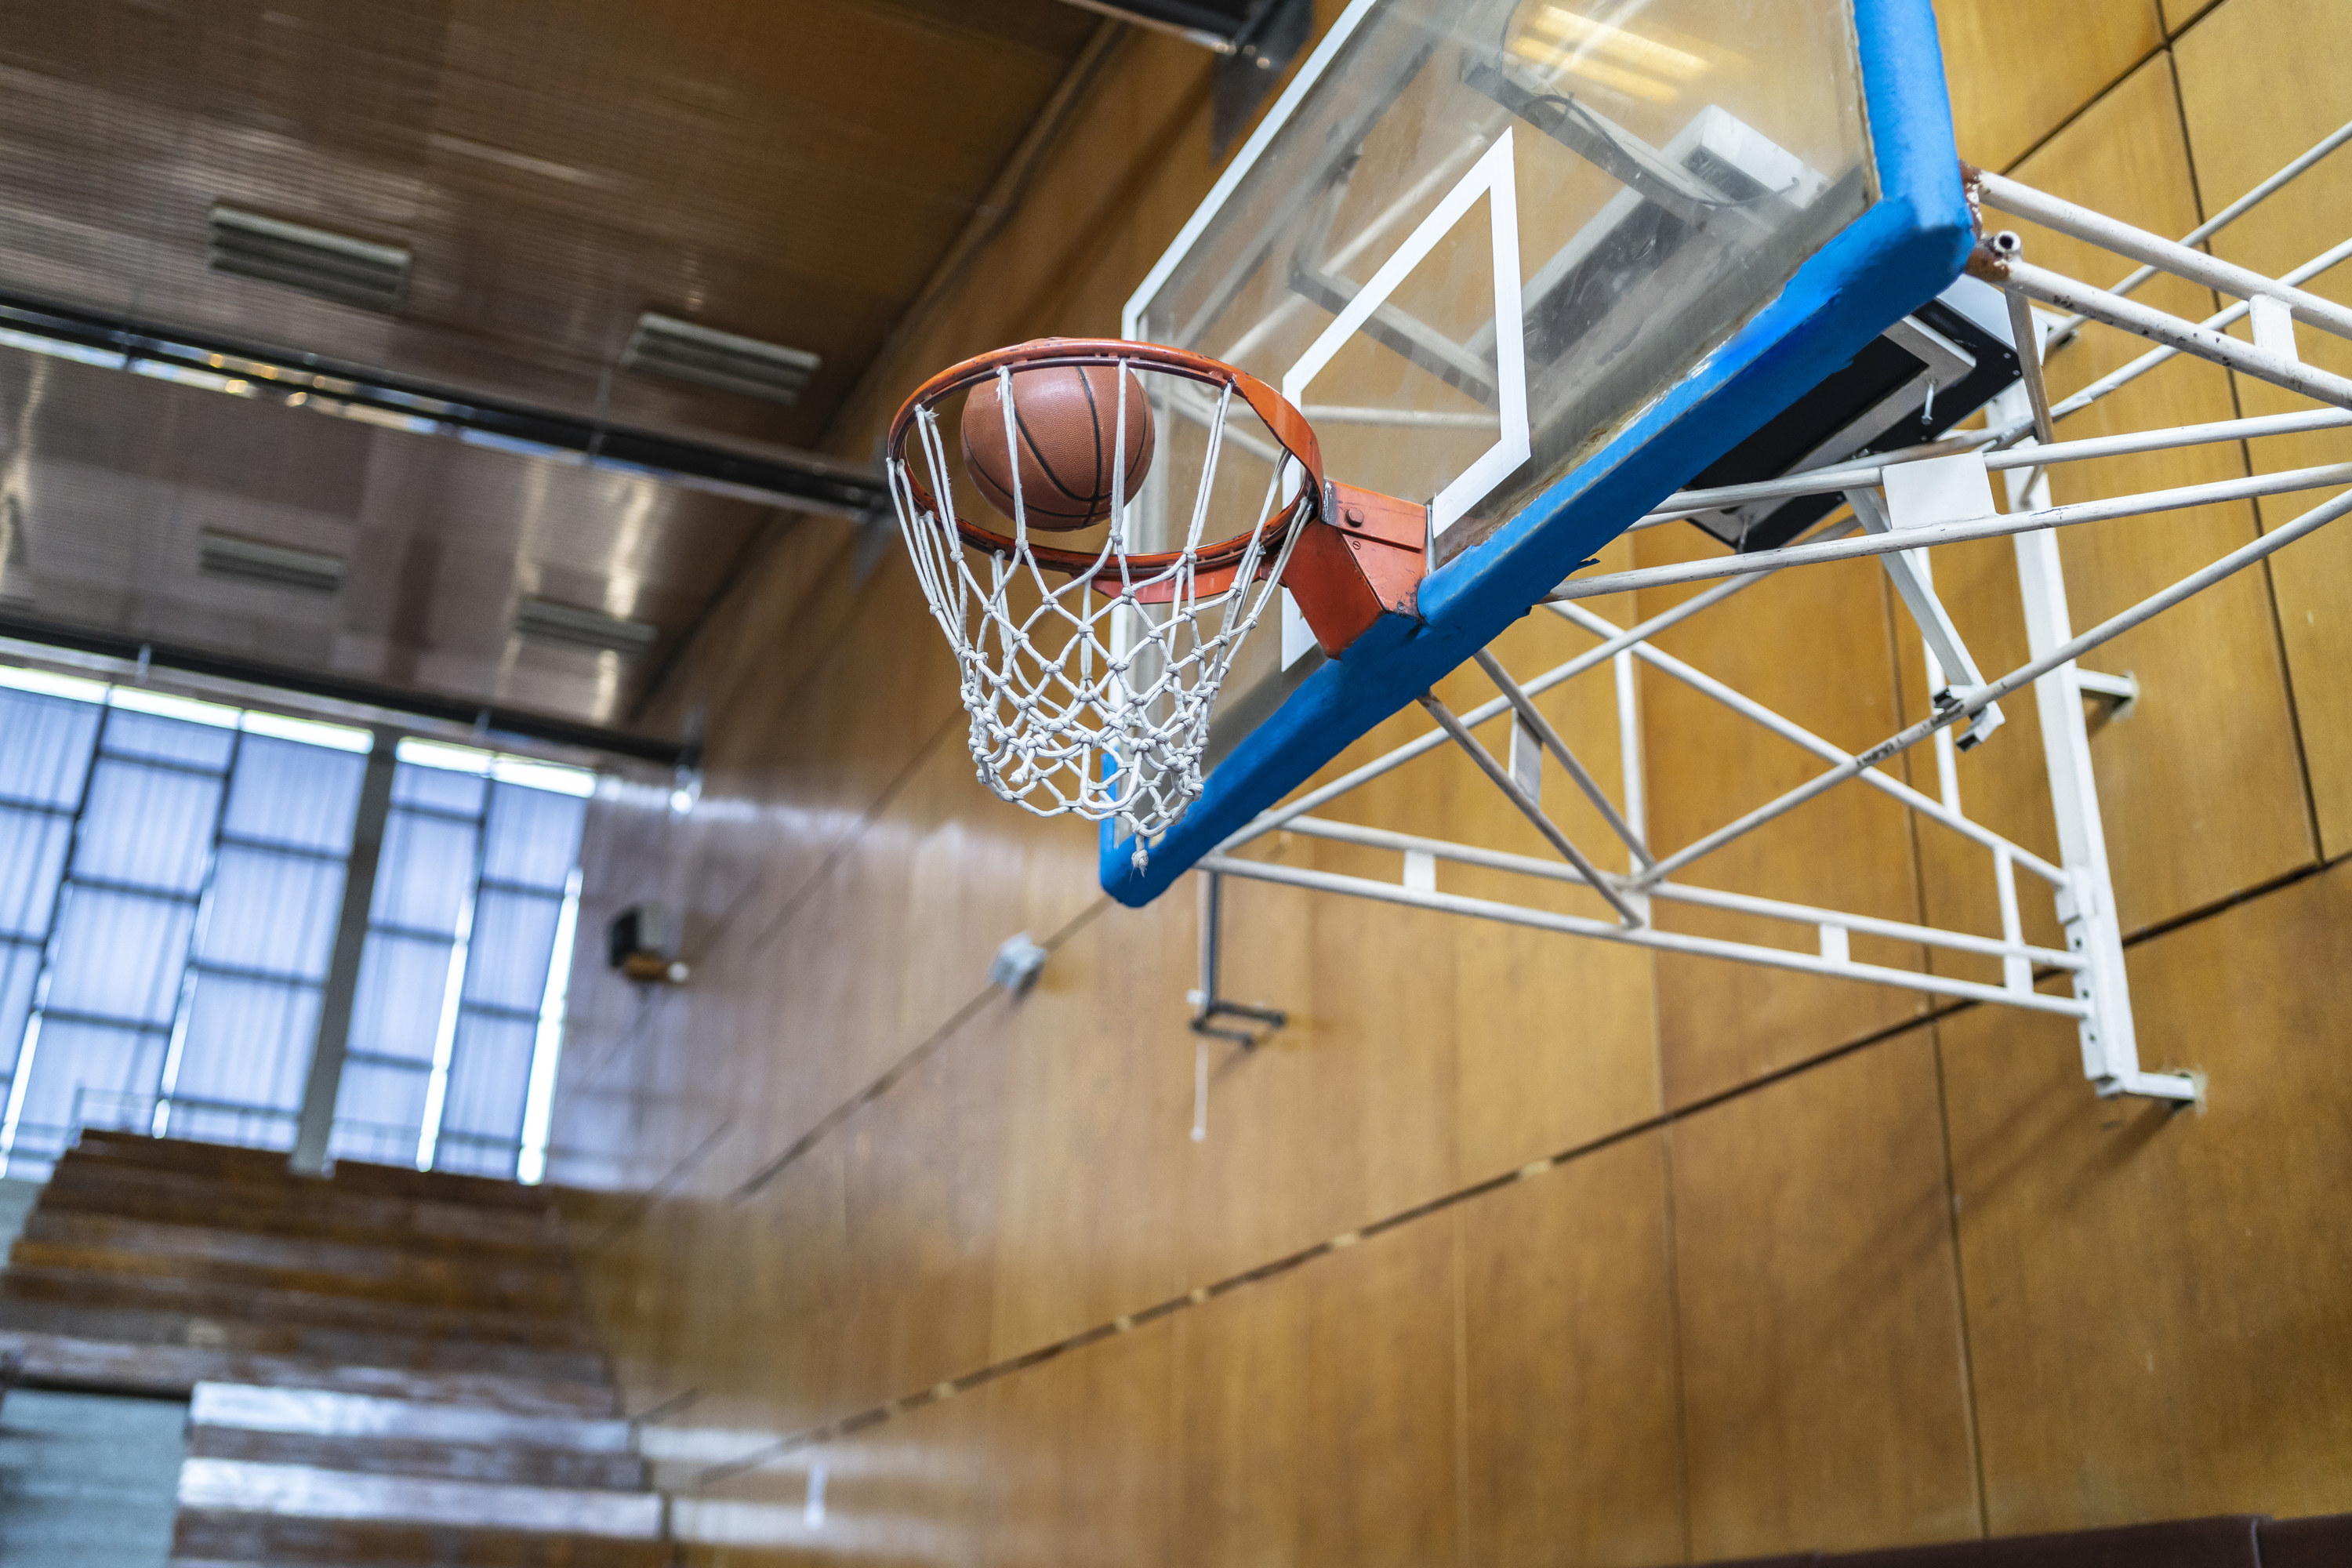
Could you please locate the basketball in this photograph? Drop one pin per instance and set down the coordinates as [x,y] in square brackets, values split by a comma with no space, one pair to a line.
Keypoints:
[1066,429]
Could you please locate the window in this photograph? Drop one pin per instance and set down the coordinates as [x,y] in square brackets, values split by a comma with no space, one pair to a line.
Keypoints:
[457,1002]
[171,876]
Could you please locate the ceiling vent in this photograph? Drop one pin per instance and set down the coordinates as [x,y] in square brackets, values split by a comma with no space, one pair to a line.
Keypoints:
[278,565]
[552,622]
[665,346]
[333,265]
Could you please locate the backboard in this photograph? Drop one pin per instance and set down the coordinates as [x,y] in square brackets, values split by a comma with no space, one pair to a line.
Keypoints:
[1536,264]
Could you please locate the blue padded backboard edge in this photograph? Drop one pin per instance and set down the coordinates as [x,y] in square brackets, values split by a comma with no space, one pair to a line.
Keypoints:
[1907,248]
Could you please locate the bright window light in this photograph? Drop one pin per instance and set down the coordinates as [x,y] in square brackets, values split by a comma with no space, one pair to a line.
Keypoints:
[308,732]
[165,706]
[522,771]
[70,686]
[547,1046]
[551,776]
[58,348]
[441,754]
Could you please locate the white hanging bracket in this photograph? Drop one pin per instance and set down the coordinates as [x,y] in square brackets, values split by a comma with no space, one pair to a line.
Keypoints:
[2085,905]
[1940,489]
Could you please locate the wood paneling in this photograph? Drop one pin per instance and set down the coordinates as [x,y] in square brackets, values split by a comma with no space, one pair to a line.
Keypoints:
[2240,134]
[2017,68]
[1244,1362]
[2178,14]
[1824,1401]
[1574,1444]
[1098,1112]
[1813,645]
[1380,1466]
[2158,1302]
[2200,788]
[1082,1457]
[1347,1113]
[1561,1042]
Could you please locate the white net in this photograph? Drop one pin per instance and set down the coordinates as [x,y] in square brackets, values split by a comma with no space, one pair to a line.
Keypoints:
[1089,675]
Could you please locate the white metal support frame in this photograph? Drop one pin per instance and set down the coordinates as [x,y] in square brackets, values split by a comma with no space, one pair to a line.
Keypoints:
[1905,503]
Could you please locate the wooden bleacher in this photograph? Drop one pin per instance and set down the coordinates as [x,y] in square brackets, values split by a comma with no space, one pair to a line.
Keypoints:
[387,1366]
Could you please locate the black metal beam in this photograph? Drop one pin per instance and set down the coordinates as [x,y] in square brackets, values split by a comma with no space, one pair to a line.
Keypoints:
[494,720]
[775,475]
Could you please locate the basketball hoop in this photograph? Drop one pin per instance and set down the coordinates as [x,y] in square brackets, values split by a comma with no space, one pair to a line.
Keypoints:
[1125,654]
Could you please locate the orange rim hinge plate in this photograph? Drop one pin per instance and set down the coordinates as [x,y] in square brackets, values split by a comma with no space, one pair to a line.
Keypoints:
[1364,560]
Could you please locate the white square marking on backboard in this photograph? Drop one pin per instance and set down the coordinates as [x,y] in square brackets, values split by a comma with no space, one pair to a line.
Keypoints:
[1297,637]
[1527,759]
[1494,175]
[1937,490]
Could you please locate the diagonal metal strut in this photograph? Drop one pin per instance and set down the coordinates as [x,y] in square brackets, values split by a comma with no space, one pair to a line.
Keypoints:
[1503,781]
[1542,728]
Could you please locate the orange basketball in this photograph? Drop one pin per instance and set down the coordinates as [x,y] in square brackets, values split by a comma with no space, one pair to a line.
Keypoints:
[1066,431]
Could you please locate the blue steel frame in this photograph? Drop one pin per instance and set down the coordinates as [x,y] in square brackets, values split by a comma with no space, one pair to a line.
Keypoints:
[1907,248]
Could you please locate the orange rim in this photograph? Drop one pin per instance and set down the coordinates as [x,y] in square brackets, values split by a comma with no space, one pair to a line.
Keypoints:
[1224,556]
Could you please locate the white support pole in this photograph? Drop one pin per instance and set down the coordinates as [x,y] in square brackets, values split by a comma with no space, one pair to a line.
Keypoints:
[2086,904]
[2017,275]
[2004,435]
[1637,936]
[1413,846]
[2016,971]
[1629,745]
[1848,476]
[2066,330]
[2170,256]
[1275,816]
[1846,767]
[1708,568]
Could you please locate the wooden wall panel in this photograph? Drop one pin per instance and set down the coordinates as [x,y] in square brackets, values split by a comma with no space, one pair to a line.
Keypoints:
[2158,1302]
[755,1332]
[1082,1458]
[1574,1444]
[1098,1114]
[2239,136]
[1556,1038]
[924,1212]
[1423,1052]
[2017,68]
[2202,786]
[1343,1115]
[1824,1399]
[1379,1473]
[1243,1403]
[1815,647]
[2179,14]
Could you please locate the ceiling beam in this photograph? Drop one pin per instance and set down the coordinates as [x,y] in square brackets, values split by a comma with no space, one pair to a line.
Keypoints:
[768,475]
